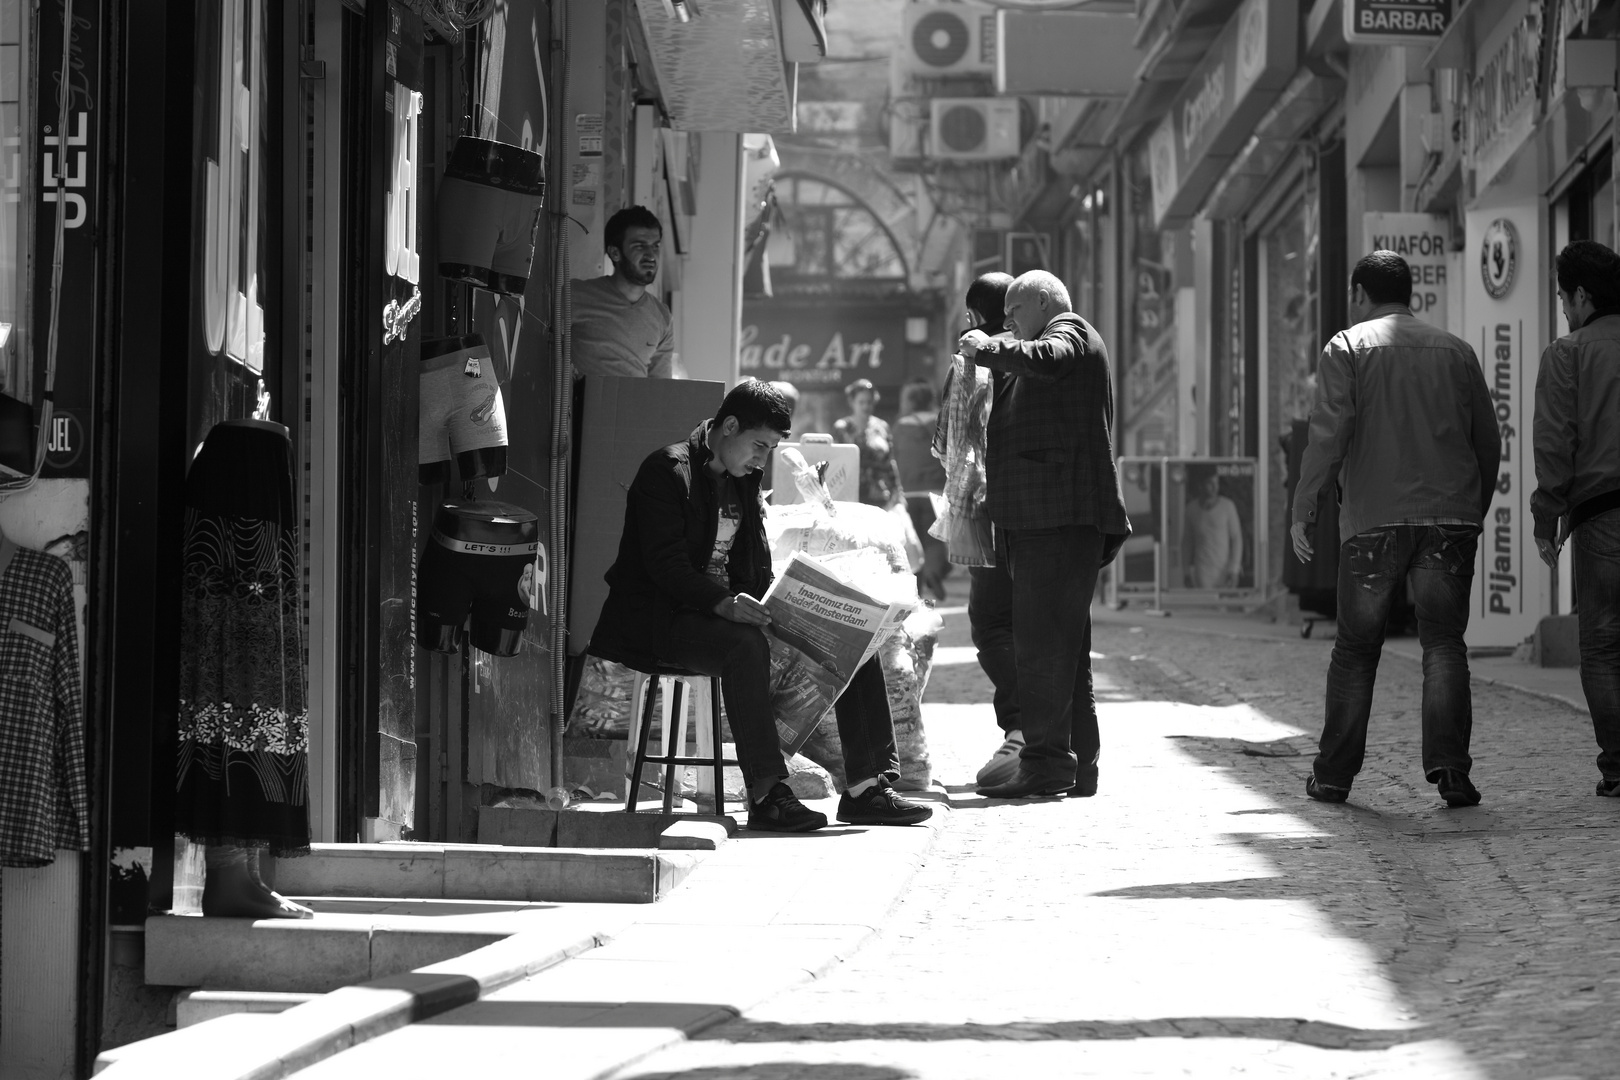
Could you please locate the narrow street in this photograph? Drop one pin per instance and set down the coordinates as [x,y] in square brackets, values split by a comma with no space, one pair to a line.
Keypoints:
[1202,917]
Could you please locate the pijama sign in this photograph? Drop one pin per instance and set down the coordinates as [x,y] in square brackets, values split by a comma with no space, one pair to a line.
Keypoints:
[1216,110]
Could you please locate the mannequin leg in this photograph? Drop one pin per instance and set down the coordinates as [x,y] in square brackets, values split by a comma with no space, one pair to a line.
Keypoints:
[232,888]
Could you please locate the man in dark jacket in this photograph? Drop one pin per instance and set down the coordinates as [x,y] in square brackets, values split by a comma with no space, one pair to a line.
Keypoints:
[686,590]
[1053,494]
[1577,444]
[1403,413]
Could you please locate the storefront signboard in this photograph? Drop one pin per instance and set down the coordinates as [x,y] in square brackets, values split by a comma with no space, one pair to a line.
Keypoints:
[1501,110]
[1503,304]
[1395,22]
[1215,112]
[69,166]
[823,346]
[1424,241]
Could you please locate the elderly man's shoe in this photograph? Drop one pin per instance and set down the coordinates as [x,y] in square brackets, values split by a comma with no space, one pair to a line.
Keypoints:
[881,805]
[781,811]
[1026,785]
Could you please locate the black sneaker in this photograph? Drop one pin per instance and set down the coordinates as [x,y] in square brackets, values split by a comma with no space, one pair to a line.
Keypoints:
[1325,792]
[1609,789]
[881,805]
[781,811]
[1455,787]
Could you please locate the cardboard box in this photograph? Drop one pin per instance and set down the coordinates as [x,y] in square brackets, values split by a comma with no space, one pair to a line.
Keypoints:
[621,421]
[843,478]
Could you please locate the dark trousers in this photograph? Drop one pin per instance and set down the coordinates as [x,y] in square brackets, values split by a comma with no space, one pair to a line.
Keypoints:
[936,558]
[1054,573]
[741,657]
[1597,611]
[1439,562]
[990,620]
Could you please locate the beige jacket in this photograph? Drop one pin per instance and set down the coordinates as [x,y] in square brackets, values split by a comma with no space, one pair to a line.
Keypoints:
[1404,407]
[1577,426]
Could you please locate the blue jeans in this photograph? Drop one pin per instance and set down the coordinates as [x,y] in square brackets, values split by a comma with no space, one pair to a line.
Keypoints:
[990,620]
[740,656]
[1438,560]
[1054,573]
[1597,612]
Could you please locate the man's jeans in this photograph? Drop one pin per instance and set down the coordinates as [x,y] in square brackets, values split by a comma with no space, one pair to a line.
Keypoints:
[1597,611]
[1439,562]
[990,616]
[741,657]
[1054,573]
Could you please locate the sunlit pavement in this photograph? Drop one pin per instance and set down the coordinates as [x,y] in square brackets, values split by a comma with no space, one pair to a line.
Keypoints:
[1200,917]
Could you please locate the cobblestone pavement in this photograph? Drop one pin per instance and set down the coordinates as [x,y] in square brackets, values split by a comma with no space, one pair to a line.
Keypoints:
[1200,917]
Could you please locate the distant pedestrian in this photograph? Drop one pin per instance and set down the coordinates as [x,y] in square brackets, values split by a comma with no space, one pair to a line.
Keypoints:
[1403,412]
[1054,497]
[879,477]
[1577,447]
[1211,534]
[921,478]
[959,442]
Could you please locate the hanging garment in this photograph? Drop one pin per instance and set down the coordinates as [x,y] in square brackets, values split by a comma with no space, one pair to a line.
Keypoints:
[243,770]
[44,793]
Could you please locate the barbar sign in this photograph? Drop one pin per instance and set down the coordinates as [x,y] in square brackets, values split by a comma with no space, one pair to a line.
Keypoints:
[1395,22]
[1424,241]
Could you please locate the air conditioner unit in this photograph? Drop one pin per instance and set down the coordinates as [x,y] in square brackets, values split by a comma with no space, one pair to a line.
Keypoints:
[947,39]
[973,129]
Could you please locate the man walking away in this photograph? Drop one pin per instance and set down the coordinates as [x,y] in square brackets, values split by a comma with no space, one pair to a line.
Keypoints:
[1577,444]
[1053,495]
[1402,409]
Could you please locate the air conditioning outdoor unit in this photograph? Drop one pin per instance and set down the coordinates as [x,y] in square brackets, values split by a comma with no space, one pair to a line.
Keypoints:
[947,39]
[973,129]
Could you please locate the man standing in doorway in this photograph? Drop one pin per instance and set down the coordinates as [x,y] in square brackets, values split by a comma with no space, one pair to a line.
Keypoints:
[1054,497]
[619,327]
[1212,533]
[1577,444]
[1403,411]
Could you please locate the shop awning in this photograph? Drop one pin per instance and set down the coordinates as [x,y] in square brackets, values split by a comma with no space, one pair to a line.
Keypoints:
[721,69]
[1473,21]
[1275,134]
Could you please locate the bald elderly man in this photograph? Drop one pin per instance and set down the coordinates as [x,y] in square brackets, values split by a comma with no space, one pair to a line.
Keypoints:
[1054,497]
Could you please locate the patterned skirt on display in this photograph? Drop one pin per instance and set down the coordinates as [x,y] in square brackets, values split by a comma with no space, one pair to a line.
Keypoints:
[243,770]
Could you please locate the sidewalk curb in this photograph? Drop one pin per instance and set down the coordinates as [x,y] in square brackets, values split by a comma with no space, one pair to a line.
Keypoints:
[275,1046]
[346,1017]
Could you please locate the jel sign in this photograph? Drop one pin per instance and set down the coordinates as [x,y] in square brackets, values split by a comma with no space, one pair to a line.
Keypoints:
[1424,241]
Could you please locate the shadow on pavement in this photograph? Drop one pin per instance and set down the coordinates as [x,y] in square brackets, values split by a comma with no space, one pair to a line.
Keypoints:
[1308,1032]
[783,1070]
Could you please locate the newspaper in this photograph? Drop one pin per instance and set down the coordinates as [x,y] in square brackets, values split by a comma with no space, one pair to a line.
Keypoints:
[823,628]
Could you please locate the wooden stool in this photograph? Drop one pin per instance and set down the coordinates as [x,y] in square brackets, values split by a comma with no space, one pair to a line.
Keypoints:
[680,686]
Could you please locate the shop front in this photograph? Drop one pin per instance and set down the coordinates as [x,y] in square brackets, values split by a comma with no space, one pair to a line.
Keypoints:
[822,346]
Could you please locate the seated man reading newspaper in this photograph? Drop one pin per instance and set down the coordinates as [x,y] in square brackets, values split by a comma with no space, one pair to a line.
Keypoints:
[687,590]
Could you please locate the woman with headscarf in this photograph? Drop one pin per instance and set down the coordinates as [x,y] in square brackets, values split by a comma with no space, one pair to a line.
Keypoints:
[880,476]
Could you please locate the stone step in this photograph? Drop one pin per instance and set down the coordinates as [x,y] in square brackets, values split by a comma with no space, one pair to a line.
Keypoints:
[353,941]
[410,870]
[197,1006]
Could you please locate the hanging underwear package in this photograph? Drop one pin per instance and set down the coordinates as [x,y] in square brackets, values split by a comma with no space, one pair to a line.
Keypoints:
[471,573]
[460,411]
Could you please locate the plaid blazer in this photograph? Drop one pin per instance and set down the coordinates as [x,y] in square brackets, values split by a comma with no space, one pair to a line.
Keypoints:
[1050,458]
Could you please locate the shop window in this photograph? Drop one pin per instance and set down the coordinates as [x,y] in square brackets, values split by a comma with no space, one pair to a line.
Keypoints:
[1591,202]
[18,162]
[829,234]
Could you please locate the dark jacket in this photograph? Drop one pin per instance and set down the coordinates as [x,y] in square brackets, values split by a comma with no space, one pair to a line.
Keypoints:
[669,526]
[1050,453]
[1403,407]
[1577,427]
